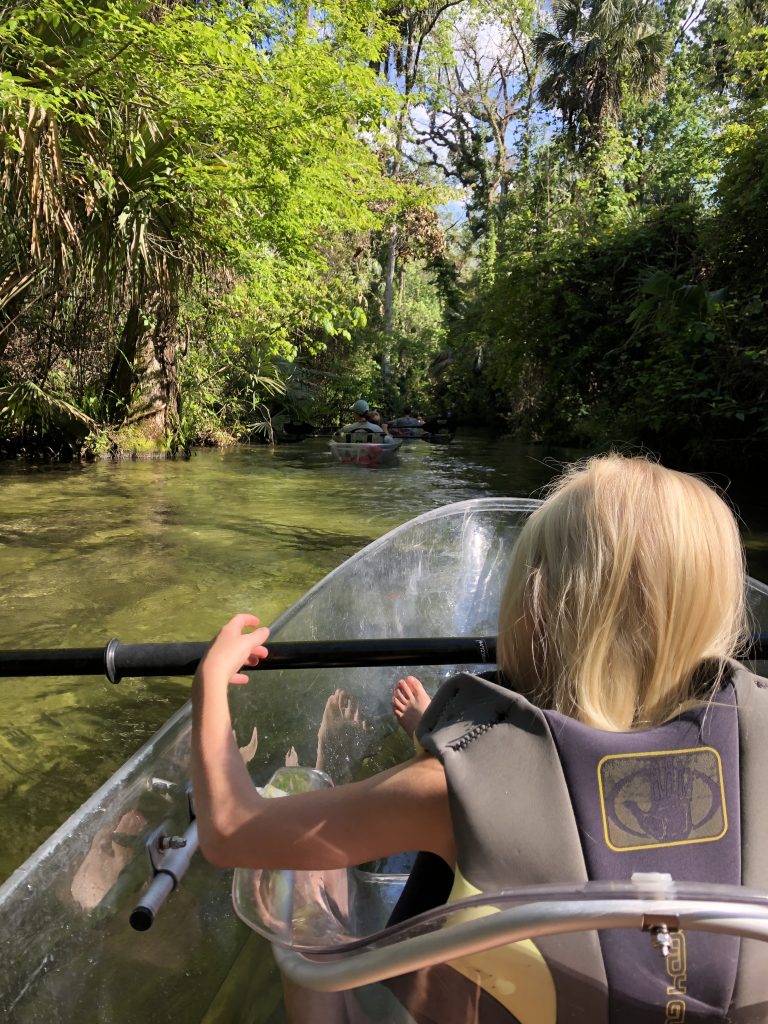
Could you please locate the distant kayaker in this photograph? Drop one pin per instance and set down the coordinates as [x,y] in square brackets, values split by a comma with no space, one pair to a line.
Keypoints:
[375,417]
[408,419]
[618,736]
[364,419]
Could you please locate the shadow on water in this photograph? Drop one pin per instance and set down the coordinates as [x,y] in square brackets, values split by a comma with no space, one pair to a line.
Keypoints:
[151,551]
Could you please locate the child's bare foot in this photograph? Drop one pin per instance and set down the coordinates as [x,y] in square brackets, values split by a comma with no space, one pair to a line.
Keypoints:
[409,702]
[341,736]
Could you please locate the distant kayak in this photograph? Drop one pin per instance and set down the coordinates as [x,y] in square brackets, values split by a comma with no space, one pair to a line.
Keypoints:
[420,434]
[365,452]
[409,433]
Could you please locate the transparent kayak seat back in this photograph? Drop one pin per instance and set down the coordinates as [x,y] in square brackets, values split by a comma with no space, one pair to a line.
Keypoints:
[329,928]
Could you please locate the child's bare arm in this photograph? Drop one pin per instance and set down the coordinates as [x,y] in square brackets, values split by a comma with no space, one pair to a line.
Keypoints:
[405,808]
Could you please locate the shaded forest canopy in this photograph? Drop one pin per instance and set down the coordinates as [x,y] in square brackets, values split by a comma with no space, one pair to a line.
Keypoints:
[218,217]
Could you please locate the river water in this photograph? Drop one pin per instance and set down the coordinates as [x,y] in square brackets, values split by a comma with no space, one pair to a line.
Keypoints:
[153,551]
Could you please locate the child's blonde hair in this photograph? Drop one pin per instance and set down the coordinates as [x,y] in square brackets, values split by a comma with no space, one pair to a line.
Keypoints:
[623,583]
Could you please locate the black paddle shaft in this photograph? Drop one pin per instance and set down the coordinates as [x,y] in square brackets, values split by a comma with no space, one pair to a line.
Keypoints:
[118,661]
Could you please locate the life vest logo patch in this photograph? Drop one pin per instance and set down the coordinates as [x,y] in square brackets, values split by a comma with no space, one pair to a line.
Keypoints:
[668,798]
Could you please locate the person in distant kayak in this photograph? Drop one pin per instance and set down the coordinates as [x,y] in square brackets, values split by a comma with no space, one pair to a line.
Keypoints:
[617,736]
[408,419]
[375,417]
[364,419]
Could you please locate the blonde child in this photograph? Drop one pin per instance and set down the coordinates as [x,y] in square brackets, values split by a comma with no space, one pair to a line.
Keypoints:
[617,736]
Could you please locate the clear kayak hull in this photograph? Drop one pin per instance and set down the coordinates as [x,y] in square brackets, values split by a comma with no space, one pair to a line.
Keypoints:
[68,951]
[409,433]
[361,453]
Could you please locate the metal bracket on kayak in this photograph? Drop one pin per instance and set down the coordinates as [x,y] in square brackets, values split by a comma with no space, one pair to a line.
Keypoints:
[169,856]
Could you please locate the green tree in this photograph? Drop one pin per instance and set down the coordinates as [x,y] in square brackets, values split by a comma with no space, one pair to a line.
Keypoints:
[153,151]
[597,54]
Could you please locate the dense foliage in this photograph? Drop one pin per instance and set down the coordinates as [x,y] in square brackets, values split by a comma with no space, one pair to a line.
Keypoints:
[628,281]
[180,180]
[221,216]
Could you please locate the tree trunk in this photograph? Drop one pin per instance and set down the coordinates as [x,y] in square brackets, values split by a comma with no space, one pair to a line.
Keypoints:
[389,301]
[122,375]
[143,377]
[154,406]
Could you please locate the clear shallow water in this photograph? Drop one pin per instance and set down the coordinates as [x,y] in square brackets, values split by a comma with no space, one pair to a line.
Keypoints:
[152,551]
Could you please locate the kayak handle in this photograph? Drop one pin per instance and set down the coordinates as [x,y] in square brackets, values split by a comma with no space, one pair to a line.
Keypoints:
[170,858]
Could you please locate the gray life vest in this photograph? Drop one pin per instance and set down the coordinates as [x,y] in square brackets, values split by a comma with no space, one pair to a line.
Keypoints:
[539,798]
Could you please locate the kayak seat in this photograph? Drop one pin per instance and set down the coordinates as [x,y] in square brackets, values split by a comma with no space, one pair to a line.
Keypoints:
[361,436]
[330,929]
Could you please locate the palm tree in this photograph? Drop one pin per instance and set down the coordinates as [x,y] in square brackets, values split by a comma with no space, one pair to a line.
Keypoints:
[599,52]
[80,211]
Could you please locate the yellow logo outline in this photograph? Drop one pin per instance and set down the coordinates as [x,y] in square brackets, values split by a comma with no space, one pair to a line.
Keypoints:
[661,753]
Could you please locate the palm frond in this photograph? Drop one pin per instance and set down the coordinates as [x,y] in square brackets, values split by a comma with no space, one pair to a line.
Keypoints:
[27,403]
[567,16]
